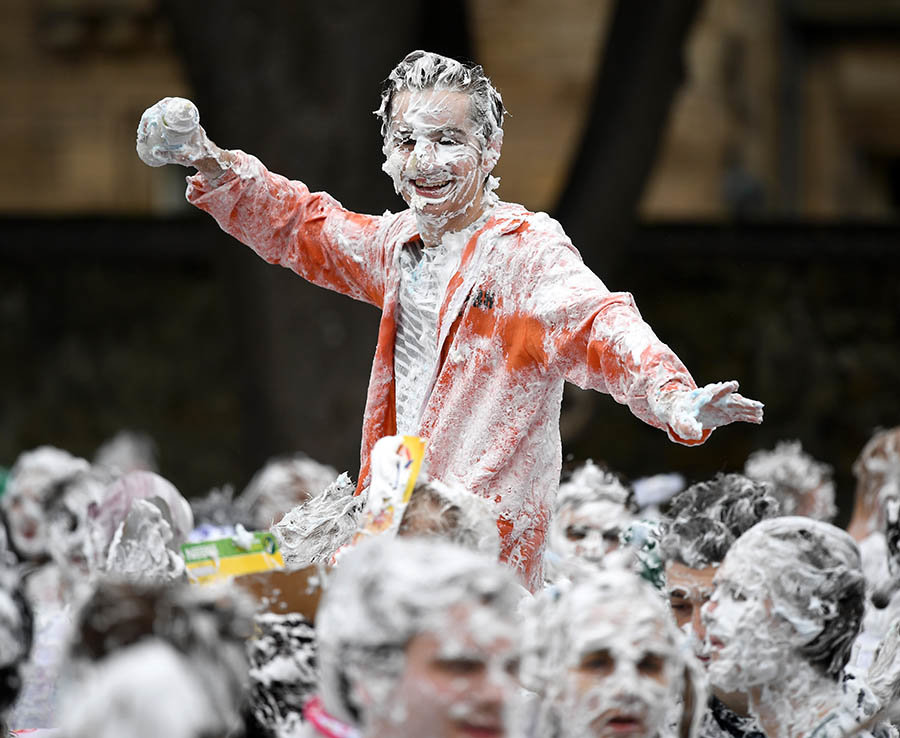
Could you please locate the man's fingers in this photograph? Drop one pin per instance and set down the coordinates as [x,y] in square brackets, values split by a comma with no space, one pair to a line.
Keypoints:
[719,390]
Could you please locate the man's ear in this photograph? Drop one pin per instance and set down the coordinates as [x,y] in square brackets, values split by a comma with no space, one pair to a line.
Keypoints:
[492,152]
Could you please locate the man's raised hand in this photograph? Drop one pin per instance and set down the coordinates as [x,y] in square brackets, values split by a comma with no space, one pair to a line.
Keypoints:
[170,133]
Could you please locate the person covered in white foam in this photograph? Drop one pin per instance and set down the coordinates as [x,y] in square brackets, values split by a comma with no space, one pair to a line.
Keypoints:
[487,308]
[700,525]
[419,639]
[787,605]
[607,661]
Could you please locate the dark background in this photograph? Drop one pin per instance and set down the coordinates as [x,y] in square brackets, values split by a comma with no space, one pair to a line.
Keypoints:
[160,322]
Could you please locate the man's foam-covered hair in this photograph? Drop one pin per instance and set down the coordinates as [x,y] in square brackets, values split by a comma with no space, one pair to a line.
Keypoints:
[463,518]
[793,473]
[385,592]
[814,580]
[705,519]
[425,70]
[592,483]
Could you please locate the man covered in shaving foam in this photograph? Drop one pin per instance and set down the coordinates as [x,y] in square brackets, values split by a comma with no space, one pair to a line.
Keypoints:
[487,308]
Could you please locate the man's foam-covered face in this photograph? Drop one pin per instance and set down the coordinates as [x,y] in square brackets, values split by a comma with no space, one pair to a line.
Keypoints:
[458,680]
[622,678]
[689,590]
[589,530]
[434,154]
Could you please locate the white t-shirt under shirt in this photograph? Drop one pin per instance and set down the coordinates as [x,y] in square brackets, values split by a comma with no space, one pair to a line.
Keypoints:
[425,274]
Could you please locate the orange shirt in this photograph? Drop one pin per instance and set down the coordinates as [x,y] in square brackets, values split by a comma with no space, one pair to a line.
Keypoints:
[522,315]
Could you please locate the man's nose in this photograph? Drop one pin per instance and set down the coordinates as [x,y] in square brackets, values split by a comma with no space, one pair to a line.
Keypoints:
[706,612]
[424,153]
[494,687]
[697,623]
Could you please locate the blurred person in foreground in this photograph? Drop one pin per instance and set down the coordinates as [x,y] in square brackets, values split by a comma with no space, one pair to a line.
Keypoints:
[487,308]
[701,524]
[607,661]
[152,661]
[417,638]
[787,605]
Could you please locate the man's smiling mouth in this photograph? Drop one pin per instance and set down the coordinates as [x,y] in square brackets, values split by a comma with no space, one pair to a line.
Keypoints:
[425,188]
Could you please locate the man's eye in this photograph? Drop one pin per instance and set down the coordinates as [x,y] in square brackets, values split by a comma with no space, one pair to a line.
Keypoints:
[651,665]
[681,606]
[611,536]
[460,667]
[576,533]
[600,661]
[448,142]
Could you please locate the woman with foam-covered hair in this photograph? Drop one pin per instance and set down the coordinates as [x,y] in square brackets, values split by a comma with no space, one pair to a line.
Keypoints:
[787,606]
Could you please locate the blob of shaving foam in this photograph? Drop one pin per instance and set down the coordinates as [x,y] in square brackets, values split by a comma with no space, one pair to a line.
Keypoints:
[165,128]
[396,464]
[180,119]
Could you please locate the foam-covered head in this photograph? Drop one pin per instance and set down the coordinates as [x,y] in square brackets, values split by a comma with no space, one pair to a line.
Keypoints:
[592,508]
[441,123]
[425,70]
[608,660]
[282,484]
[701,524]
[790,590]
[704,520]
[439,510]
[69,509]
[877,469]
[127,451]
[397,614]
[31,481]
[801,484]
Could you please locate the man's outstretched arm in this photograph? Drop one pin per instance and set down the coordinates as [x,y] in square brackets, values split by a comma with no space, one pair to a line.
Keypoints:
[606,345]
[280,219]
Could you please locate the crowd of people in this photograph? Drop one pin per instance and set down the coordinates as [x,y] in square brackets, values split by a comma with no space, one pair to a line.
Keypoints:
[732,609]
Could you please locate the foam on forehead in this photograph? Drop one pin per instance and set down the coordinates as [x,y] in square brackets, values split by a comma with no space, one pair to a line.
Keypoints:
[42,467]
[797,538]
[421,70]
[597,604]
[591,483]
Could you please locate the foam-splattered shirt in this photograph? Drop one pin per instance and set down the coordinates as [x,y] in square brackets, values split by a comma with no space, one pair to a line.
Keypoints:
[521,315]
